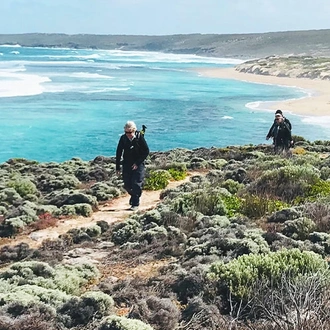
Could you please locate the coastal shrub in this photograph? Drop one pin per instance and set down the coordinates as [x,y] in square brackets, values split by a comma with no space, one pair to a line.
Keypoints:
[3,210]
[319,212]
[11,227]
[83,209]
[299,228]
[312,159]
[257,206]
[78,235]
[48,182]
[157,180]
[217,163]
[122,232]
[240,275]
[81,310]
[8,196]
[199,315]
[252,242]
[319,189]
[114,322]
[231,185]
[161,313]
[212,221]
[151,216]
[232,204]
[298,151]
[189,283]
[198,163]
[14,253]
[295,304]
[207,202]
[178,171]
[94,231]
[228,242]
[325,172]
[31,321]
[28,211]
[69,197]
[286,183]
[156,233]
[298,138]
[66,278]
[66,210]
[102,191]
[23,186]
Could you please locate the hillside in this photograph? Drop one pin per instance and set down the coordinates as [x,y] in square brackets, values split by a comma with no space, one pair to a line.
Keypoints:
[312,42]
[290,66]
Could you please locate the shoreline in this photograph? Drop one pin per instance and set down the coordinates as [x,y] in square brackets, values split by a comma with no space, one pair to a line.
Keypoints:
[316,102]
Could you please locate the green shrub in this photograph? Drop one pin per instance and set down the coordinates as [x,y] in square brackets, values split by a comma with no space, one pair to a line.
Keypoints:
[178,171]
[81,310]
[66,278]
[122,323]
[231,185]
[232,204]
[157,180]
[102,191]
[9,196]
[124,231]
[256,206]
[23,186]
[299,228]
[240,275]
[287,182]
[94,231]
[83,209]
[319,189]
[207,202]
[154,234]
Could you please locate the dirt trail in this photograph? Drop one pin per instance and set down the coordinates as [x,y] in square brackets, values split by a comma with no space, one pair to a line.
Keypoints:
[116,210]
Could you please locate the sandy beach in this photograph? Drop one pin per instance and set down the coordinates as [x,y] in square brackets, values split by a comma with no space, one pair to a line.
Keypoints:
[317,104]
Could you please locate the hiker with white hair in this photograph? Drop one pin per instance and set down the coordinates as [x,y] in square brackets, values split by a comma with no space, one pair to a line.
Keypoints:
[132,150]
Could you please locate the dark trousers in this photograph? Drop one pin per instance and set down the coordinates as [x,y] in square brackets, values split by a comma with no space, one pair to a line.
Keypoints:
[133,182]
[281,145]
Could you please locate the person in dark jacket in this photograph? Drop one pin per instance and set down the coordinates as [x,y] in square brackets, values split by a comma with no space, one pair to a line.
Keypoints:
[132,150]
[271,130]
[282,135]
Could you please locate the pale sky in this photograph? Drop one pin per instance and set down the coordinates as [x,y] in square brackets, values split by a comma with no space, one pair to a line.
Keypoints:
[162,17]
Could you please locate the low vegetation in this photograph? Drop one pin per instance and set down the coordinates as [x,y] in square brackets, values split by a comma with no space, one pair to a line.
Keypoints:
[242,245]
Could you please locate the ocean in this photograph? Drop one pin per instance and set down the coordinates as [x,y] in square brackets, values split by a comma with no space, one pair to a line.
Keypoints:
[57,104]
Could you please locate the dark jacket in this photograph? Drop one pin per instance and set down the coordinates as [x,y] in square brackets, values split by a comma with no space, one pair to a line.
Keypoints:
[133,152]
[282,135]
[271,130]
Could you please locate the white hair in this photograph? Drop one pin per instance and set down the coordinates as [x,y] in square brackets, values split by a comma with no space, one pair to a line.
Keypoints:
[130,125]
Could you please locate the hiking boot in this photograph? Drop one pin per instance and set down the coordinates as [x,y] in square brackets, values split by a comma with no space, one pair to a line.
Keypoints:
[133,208]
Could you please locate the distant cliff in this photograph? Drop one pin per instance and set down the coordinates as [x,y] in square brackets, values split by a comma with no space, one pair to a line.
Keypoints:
[290,66]
[244,46]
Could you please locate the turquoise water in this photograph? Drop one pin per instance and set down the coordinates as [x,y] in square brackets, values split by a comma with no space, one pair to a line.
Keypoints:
[62,103]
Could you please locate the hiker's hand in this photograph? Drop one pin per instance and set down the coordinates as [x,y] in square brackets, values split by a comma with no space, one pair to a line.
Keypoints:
[118,173]
[134,167]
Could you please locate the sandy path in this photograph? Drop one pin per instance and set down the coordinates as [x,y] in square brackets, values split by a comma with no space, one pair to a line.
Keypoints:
[116,210]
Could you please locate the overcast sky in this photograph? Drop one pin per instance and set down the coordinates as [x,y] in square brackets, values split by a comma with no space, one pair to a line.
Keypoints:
[162,17]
